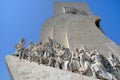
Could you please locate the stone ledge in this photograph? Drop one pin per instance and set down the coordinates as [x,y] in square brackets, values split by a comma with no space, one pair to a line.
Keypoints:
[24,70]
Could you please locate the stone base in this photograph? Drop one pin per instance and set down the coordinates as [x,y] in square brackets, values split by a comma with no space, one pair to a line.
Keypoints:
[24,70]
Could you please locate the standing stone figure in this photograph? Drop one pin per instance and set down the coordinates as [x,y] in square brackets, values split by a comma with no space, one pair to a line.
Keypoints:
[84,61]
[114,66]
[114,62]
[97,67]
[66,58]
[74,63]
[30,47]
[20,48]
[58,59]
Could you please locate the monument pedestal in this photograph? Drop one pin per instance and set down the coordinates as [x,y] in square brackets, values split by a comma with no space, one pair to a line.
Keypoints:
[24,70]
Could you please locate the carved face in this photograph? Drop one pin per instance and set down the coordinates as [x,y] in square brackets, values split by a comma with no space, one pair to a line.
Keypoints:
[74,54]
[58,46]
[92,53]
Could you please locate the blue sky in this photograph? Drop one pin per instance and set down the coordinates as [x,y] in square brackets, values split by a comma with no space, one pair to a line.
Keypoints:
[24,18]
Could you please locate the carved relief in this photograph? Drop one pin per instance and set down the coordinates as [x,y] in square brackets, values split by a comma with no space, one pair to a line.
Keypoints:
[73,10]
[89,63]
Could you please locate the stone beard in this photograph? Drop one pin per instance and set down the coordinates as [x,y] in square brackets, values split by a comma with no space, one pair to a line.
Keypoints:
[81,61]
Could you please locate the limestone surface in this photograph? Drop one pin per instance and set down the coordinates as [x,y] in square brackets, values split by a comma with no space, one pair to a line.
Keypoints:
[73,25]
[77,29]
[24,70]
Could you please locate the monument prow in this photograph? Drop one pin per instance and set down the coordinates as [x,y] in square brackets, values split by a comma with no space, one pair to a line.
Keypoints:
[72,46]
[24,70]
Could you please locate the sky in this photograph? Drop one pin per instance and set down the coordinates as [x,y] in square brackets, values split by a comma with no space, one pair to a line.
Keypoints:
[25,18]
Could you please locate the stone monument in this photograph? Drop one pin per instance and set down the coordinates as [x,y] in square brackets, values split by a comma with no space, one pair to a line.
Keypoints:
[72,46]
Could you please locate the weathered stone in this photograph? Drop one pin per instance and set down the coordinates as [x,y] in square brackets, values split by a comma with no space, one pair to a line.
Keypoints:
[24,70]
[76,30]
[73,25]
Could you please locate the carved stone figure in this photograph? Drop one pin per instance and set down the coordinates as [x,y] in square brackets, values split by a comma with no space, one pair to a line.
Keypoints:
[74,63]
[34,53]
[17,51]
[66,59]
[30,47]
[97,67]
[47,57]
[84,60]
[84,69]
[115,66]
[114,62]
[83,56]
[80,61]
[58,59]
[20,48]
